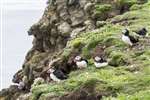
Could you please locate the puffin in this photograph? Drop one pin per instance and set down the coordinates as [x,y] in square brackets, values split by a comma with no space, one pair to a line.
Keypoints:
[22,85]
[100,62]
[127,38]
[57,75]
[80,62]
[142,32]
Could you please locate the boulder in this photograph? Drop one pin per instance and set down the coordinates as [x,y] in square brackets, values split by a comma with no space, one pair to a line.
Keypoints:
[76,31]
[77,17]
[64,14]
[73,2]
[64,28]
[83,3]
[90,25]
[10,93]
[24,96]
[53,18]
[88,7]
[100,23]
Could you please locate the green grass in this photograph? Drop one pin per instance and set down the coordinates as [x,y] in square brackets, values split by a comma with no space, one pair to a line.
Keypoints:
[117,80]
[141,95]
[100,9]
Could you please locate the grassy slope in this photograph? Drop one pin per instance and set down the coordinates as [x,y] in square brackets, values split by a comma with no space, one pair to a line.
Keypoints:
[130,80]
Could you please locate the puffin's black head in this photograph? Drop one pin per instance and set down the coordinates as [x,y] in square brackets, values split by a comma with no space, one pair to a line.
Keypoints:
[50,70]
[97,58]
[144,29]
[77,58]
[125,32]
[60,74]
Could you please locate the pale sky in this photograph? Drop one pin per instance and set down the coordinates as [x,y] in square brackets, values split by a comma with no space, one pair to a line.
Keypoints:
[18,16]
[23,1]
[23,4]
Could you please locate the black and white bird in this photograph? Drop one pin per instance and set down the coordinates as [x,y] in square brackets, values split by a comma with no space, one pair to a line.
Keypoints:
[22,83]
[100,62]
[142,32]
[80,62]
[57,75]
[127,38]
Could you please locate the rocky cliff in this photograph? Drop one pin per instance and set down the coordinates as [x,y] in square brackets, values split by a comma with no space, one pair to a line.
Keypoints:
[71,27]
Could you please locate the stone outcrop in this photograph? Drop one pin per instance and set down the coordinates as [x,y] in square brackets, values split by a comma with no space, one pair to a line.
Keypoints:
[11,93]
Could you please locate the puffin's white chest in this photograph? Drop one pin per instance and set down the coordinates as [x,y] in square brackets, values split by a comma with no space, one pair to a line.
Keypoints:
[54,78]
[81,64]
[99,65]
[126,40]
[21,85]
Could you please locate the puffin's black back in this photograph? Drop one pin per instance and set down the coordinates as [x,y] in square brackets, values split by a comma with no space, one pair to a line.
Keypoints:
[133,40]
[101,61]
[84,60]
[59,74]
[143,32]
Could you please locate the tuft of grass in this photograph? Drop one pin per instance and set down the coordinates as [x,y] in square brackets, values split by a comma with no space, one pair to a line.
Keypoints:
[37,58]
[100,9]
[127,2]
[136,7]
[112,79]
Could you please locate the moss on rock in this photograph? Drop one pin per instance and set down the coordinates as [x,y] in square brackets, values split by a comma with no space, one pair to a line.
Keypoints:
[37,58]
[117,58]
[100,9]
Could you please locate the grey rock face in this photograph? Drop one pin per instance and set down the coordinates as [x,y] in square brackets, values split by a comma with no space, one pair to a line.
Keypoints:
[10,93]
[24,96]
[64,14]
[83,3]
[90,24]
[53,18]
[77,17]
[88,7]
[76,31]
[62,18]
[64,28]
[73,2]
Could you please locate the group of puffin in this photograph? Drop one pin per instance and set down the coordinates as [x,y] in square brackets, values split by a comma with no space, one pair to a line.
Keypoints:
[81,63]
[98,62]
[57,74]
